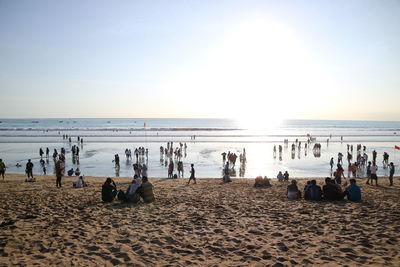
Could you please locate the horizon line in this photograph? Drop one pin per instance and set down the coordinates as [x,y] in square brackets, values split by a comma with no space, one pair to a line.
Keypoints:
[202,118]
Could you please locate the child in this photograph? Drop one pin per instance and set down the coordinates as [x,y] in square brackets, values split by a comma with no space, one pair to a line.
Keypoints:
[192,172]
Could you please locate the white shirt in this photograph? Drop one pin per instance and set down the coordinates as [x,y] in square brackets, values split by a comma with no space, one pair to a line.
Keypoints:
[79,183]
[374,169]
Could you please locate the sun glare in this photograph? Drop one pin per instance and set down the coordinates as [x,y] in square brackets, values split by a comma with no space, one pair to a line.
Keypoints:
[259,69]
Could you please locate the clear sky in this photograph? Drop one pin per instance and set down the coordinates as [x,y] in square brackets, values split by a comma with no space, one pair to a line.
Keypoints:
[242,59]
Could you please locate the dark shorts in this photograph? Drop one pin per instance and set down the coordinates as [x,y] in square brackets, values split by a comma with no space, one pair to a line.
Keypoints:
[2,172]
[373,176]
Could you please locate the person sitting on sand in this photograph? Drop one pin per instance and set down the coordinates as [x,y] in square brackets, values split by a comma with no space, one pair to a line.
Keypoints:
[313,191]
[286,176]
[280,176]
[262,182]
[306,186]
[109,190]
[331,191]
[70,172]
[132,194]
[79,183]
[353,191]
[146,191]
[77,172]
[293,191]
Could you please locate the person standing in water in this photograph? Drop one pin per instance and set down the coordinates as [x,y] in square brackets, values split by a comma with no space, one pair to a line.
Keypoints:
[192,174]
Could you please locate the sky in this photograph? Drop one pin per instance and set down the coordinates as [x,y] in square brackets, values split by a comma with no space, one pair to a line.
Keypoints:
[252,60]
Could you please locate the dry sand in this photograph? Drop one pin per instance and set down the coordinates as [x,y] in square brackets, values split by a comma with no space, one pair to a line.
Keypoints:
[204,224]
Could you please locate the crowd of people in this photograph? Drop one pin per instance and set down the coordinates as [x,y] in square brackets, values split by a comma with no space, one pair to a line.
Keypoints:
[359,166]
[172,159]
[229,163]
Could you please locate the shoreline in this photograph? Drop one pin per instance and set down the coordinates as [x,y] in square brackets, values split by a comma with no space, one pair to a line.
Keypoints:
[19,175]
[204,224]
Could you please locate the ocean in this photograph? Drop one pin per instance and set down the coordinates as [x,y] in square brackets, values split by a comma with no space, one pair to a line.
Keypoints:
[206,139]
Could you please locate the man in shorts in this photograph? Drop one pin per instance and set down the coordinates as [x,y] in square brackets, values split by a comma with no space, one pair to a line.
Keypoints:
[374,169]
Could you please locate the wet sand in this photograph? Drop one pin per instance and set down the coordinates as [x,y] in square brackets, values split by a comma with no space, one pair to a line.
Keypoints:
[208,224]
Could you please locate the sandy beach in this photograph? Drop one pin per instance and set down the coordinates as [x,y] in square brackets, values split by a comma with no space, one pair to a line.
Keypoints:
[207,224]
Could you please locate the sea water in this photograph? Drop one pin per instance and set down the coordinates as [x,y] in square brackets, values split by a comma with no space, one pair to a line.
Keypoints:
[206,139]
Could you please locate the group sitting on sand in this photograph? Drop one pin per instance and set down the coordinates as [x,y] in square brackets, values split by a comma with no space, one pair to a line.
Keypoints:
[140,188]
[262,182]
[330,191]
[283,177]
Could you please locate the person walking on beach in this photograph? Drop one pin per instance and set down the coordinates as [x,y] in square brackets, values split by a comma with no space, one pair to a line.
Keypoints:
[59,172]
[2,168]
[391,166]
[47,152]
[29,169]
[41,152]
[192,174]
